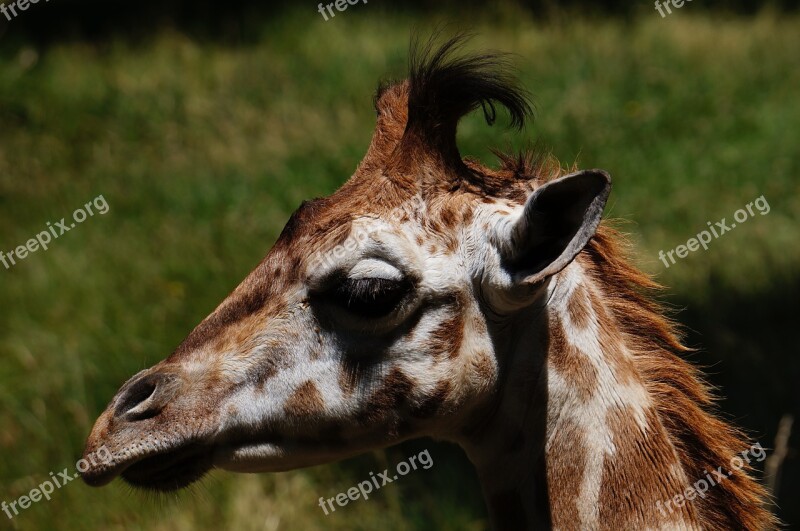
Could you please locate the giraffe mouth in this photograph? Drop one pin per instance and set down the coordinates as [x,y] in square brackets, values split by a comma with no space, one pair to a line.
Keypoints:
[172,470]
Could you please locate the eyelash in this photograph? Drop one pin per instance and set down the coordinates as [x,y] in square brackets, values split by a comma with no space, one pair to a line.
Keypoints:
[370,297]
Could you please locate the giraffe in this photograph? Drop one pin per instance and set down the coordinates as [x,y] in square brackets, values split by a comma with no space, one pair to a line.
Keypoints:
[433,296]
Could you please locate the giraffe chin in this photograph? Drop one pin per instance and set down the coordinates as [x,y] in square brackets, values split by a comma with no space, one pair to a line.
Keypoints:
[170,471]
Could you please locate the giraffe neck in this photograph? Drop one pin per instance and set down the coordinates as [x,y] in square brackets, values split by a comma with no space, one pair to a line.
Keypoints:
[575,441]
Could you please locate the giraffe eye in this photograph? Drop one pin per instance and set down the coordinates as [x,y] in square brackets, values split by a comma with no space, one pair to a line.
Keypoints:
[370,297]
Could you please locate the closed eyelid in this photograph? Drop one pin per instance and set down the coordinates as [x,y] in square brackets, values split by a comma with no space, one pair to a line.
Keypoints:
[375,269]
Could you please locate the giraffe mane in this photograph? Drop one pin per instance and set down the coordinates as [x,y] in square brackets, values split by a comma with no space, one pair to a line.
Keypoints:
[685,402]
[443,86]
[418,117]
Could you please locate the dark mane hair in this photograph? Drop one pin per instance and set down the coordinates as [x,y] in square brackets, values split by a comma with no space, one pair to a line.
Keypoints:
[444,86]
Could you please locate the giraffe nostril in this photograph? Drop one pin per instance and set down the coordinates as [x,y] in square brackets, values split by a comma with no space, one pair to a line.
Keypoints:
[144,398]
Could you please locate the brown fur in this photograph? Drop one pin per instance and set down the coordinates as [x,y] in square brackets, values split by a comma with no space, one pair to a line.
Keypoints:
[567,473]
[446,339]
[579,308]
[305,401]
[430,404]
[570,363]
[394,391]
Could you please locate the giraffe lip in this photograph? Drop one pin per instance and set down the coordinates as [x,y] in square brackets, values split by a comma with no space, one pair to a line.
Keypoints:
[97,478]
[172,470]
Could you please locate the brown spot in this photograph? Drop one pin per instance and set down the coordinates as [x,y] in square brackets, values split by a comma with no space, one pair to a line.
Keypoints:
[429,405]
[628,477]
[268,366]
[448,336]
[570,362]
[244,331]
[305,401]
[599,308]
[467,213]
[263,373]
[565,469]
[451,244]
[395,390]
[448,218]
[580,312]
[517,195]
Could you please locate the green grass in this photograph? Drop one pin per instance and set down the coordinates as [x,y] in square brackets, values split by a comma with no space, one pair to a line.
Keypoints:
[202,151]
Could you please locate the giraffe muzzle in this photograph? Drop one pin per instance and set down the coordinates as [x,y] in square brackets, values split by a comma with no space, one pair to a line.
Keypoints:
[145,429]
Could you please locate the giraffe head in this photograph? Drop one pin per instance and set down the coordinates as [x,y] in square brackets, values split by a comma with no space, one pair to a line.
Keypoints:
[378,314]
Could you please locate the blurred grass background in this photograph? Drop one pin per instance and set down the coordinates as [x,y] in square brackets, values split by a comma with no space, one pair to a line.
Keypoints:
[204,146]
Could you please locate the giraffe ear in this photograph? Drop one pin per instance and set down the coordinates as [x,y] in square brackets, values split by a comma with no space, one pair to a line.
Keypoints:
[558,220]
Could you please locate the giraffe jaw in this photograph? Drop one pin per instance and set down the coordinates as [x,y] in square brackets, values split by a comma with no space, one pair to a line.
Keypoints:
[271,457]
